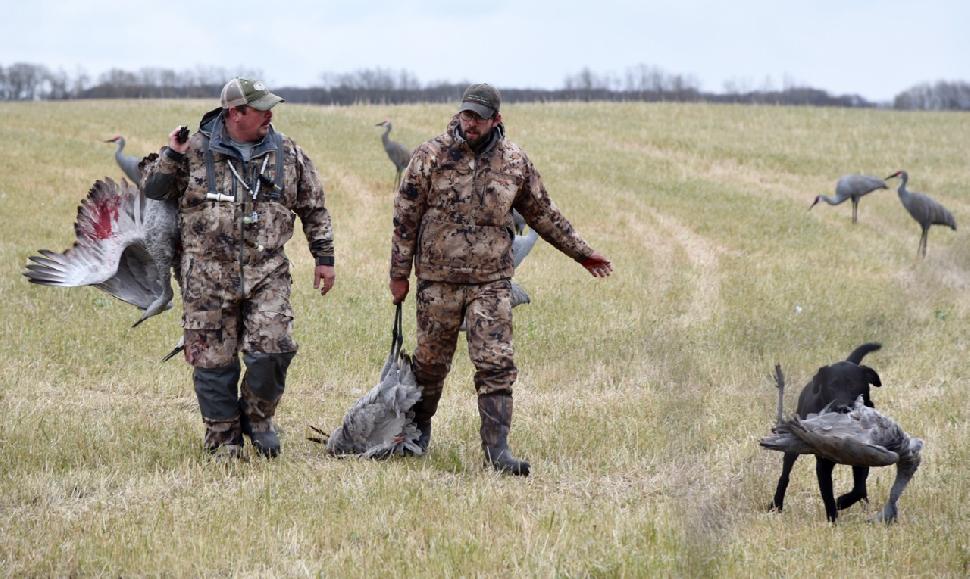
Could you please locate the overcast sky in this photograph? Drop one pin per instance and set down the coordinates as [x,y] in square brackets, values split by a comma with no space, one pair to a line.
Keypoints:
[875,48]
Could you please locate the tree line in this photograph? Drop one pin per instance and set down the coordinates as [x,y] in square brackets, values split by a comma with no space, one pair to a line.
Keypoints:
[29,82]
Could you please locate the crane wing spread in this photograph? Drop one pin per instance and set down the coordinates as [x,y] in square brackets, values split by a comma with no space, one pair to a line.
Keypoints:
[109,250]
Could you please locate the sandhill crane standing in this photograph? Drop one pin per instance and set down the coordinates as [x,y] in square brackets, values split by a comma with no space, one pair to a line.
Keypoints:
[128,163]
[852,187]
[860,437]
[924,210]
[396,152]
[125,244]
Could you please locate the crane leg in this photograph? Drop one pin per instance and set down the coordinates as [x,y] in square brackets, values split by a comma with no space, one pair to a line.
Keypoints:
[855,210]
[922,242]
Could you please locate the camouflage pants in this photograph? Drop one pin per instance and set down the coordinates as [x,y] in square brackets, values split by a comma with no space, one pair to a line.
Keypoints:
[487,311]
[218,322]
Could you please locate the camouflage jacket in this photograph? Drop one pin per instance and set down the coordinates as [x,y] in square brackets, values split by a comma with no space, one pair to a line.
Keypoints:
[239,228]
[452,212]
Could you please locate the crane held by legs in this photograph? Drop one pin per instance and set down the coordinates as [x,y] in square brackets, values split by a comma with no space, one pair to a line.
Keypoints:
[125,244]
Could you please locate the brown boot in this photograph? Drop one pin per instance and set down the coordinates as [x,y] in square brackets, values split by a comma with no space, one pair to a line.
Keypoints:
[496,412]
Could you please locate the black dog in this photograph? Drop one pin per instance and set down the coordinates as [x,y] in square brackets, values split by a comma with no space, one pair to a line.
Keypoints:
[839,385]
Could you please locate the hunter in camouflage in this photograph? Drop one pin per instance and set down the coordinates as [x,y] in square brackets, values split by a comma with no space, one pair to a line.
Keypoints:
[239,185]
[453,224]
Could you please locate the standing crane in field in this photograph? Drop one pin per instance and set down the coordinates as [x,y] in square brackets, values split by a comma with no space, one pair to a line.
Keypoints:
[924,210]
[396,152]
[128,163]
[852,187]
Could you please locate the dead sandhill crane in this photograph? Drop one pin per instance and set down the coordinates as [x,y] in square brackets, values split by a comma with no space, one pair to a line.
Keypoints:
[128,163]
[924,210]
[125,244]
[381,423]
[858,436]
[852,187]
[396,152]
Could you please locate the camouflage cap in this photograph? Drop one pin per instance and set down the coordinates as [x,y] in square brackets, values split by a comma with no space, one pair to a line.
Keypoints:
[242,91]
[482,99]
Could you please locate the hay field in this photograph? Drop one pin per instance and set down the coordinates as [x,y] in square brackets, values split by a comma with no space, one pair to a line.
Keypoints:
[641,397]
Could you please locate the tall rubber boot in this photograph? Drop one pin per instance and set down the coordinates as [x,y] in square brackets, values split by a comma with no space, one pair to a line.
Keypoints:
[496,412]
[260,394]
[424,409]
[215,389]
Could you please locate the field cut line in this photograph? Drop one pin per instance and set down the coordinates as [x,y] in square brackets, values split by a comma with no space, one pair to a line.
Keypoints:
[702,255]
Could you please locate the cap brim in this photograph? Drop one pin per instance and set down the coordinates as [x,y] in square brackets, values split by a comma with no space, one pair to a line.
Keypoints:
[266,102]
[480,110]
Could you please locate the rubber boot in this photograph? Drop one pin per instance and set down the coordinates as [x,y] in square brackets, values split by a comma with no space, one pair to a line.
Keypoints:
[496,412]
[260,394]
[215,389]
[424,409]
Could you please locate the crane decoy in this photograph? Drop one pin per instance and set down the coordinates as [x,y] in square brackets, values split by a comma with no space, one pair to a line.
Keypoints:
[128,163]
[381,423]
[396,152]
[125,244]
[923,209]
[860,436]
[852,187]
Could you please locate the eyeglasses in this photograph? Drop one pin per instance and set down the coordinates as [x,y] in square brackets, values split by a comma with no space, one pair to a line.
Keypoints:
[472,117]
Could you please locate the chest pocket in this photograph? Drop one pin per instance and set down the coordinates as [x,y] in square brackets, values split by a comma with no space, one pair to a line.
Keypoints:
[208,228]
[499,192]
[275,225]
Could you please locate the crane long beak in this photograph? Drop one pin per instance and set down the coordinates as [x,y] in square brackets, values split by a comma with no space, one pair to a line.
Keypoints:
[814,203]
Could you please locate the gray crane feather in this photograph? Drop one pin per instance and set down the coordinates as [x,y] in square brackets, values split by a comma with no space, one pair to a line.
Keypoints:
[381,423]
[125,244]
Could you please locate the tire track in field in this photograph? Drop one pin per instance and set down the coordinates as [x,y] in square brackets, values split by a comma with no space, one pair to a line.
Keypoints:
[705,495]
[702,255]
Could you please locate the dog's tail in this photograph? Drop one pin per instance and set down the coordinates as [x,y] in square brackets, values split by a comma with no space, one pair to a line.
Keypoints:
[859,353]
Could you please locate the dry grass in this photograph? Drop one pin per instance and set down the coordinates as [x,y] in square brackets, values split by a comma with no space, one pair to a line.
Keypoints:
[640,399]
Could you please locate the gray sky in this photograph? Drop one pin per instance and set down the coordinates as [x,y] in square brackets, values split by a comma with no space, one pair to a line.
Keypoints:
[868,47]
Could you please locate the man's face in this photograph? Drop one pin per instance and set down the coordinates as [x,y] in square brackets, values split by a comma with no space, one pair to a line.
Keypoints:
[475,127]
[251,125]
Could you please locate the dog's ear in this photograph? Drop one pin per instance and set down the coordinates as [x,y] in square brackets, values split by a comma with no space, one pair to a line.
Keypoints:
[871,376]
[820,378]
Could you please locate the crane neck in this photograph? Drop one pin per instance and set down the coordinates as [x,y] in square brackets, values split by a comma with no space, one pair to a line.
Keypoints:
[387,131]
[903,191]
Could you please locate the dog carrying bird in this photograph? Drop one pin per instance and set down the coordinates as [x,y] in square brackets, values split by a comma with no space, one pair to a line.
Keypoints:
[836,386]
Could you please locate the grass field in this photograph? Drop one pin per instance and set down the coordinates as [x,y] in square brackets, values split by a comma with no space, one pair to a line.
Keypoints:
[640,401]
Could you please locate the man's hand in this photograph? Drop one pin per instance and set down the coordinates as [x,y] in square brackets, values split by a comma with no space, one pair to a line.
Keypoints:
[175,144]
[326,273]
[399,289]
[597,265]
